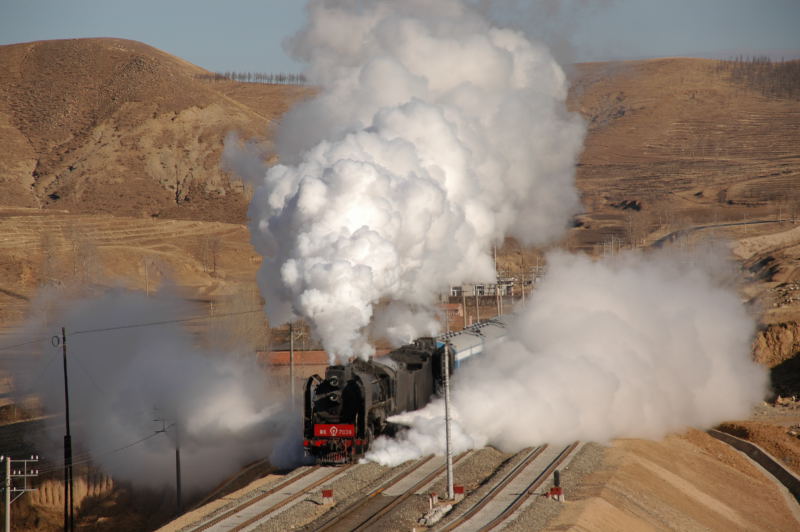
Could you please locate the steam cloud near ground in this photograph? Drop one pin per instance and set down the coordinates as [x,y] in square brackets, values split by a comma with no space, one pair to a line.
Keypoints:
[122,380]
[434,136]
[638,346]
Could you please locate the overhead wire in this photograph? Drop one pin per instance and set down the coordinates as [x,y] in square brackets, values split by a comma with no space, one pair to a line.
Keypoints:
[136,325]
[164,322]
[87,457]
[115,328]
[13,346]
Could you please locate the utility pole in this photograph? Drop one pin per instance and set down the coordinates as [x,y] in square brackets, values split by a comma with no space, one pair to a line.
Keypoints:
[448,447]
[464,305]
[291,364]
[496,282]
[163,429]
[178,468]
[69,510]
[522,257]
[8,487]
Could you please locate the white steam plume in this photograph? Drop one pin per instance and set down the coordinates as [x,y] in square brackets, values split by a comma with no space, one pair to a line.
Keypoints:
[639,346]
[224,407]
[434,135]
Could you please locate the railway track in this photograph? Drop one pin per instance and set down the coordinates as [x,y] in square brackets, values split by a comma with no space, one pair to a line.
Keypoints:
[250,513]
[506,497]
[367,512]
[512,491]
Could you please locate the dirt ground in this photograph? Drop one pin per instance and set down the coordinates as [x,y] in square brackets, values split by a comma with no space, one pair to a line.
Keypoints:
[110,176]
[686,482]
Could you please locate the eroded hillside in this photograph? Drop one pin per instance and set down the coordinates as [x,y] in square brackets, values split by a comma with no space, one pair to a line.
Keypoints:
[115,126]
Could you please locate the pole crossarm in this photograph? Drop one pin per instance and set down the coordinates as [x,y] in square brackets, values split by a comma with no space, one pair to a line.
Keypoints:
[27,470]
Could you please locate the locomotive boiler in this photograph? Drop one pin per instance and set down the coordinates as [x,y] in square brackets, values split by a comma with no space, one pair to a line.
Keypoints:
[346,410]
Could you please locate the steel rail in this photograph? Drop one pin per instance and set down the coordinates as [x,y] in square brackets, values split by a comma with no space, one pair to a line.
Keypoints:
[402,498]
[528,491]
[371,520]
[291,498]
[238,508]
[496,489]
[216,493]
[350,509]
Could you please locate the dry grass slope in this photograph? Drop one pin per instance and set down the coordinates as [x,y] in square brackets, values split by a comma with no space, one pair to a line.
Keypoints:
[109,174]
[116,126]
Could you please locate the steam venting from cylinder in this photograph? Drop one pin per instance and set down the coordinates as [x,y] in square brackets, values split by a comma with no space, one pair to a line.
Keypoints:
[433,136]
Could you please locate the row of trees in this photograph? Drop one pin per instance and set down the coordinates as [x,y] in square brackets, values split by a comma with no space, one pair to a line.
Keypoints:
[281,78]
[779,79]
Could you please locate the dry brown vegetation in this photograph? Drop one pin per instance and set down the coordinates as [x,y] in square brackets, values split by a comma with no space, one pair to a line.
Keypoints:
[114,126]
[780,79]
[110,175]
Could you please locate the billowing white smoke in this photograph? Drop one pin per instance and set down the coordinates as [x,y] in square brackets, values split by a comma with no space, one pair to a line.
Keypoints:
[434,135]
[222,408]
[638,346]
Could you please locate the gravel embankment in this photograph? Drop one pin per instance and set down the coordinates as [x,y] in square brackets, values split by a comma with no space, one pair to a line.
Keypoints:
[492,473]
[471,472]
[190,520]
[538,514]
[357,481]
[476,473]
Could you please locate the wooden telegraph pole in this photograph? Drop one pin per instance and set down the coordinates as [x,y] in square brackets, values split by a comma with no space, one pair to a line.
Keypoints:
[69,510]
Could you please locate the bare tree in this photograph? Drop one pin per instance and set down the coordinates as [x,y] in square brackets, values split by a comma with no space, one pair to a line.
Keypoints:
[637,227]
[48,268]
[778,79]
[210,248]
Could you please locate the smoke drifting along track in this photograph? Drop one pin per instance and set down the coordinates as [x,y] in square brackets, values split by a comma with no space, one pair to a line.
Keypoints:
[638,346]
[215,405]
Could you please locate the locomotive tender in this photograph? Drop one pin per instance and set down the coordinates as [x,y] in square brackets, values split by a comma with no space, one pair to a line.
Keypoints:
[346,410]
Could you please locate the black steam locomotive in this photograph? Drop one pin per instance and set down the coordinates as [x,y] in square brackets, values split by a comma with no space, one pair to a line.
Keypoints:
[347,409]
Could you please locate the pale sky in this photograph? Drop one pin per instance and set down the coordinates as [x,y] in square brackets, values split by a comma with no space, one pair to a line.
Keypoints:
[246,35]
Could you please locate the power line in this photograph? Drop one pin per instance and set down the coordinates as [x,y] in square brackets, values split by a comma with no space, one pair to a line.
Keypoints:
[87,456]
[165,322]
[137,325]
[23,343]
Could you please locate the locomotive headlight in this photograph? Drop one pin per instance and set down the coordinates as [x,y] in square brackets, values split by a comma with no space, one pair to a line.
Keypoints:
[334,397]
[334,381]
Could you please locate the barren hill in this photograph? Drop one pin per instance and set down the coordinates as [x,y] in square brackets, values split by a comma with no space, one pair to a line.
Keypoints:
[99,135]
[678,147]
[681,131]
[116,126]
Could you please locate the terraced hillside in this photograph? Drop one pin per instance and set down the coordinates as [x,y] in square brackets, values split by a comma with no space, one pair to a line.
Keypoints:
[41,248]
[109,175]
[116,126]
[674,142]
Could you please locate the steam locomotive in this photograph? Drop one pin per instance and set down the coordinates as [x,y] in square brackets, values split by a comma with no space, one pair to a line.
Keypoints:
[351,406]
